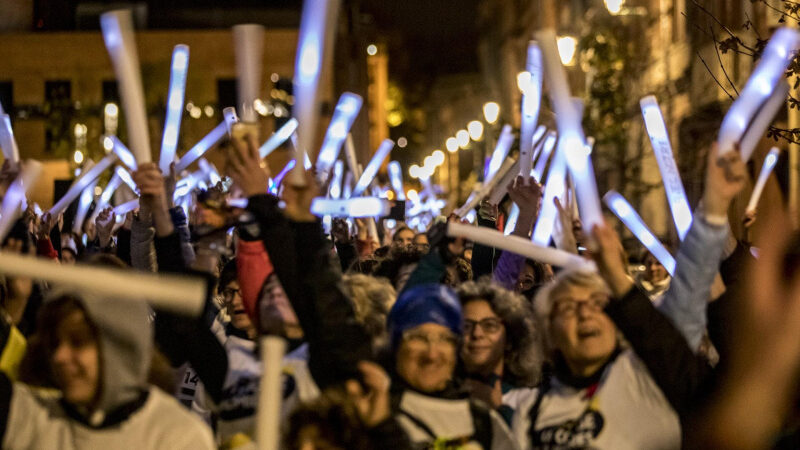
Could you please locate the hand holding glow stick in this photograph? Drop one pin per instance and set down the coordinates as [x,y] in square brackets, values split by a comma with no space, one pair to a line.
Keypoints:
[353,207]
[81,183]
[343,117]
[372,168]
[659,138]
[118,35]
[501,150]
[768,74]
[270,392]
[7,140]
[501,187]
[175,97]
[278,138]
[248,43]
[769,163]
[531,102]
[15,195]
[396,178]
[622,209]
[519,246]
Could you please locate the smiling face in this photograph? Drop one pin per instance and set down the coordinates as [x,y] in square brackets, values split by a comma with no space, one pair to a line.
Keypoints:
[75,359]
[235,307]
[403,238]
[654,271]
[484,339]
[426,357]
[580,330]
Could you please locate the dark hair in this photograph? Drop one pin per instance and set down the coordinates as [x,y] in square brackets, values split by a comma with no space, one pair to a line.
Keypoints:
[335,420]
[106,260]
[227,275]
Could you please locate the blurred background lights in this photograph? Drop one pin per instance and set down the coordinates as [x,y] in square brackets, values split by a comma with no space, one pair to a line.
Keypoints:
[451,144]
[491,112]
[372,50]
[402,142]
[614,6]
[566,49]
[475,129]
[462,138]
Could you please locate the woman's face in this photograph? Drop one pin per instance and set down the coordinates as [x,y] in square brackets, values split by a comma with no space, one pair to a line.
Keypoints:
[235,306]
[426,357]
[75,360]
[580,330]
[484,338]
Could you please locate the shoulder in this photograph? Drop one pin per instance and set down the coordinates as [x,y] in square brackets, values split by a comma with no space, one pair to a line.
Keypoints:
[179,428]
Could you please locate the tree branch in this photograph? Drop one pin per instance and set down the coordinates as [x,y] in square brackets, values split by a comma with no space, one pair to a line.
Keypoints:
[722,66]
[714,76]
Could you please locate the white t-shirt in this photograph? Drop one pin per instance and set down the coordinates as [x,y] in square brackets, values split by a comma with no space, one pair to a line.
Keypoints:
[37,421]
[626,411]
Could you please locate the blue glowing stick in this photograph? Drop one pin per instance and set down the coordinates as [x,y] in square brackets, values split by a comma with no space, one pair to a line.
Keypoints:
[84,202]
[124,155]
[175,97]
[500,151]
[537,141]
[396,178]
[315,41]
[343,117]
[125,208]
[547,149]
[555,187]
[209,171]
[659,138]
[14,198]
[757,127]
[7,141]
[335,186]
[86,177]
[278,138]
[279,178]
[531,102]
[511,223]
[105,196]
[622,209]
[571,138]
[353,207]
[768,74]
[769,163]
[125,177]
[372,168]
[347,185]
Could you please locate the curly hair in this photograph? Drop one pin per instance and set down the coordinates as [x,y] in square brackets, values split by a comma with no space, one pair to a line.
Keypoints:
[372,299]
[523,355]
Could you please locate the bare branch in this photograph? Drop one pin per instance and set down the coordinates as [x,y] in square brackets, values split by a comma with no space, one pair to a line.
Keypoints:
[714,76]
[719,58]
[782,12]
[722,25]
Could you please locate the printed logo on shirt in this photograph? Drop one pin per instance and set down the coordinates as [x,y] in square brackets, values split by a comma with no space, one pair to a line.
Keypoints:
[576,433]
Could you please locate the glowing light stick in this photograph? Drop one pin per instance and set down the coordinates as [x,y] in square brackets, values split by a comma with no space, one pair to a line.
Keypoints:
[175,97]
[84,202]
[105,197]
[659,138]
[760,122]
[531,102]
[279,178]
[126,207]
[372,168]
[350,157]
[209,171]
[208,141]
[500,151]
[353,207]
[537,142]
[347,186]
[335,186]
[248,41]
[15,195]
[125,177]
[87,176]
[118,35]
[547,149]
[518,245]
[487,187]
[570,131]
[230,118]
[766,170]
[555,187]
[124,154]
[396,178]
[768,74]
[511,223]
[315,41]
[306,161]
[278,138]
[343,117]
[622,209]
[178,294]
[501,188]
[270,392]
[7,141]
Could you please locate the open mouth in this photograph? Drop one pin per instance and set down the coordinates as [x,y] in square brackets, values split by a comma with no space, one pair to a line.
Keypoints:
[588,333]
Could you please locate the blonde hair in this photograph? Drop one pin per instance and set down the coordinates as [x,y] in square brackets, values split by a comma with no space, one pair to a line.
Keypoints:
[372,299]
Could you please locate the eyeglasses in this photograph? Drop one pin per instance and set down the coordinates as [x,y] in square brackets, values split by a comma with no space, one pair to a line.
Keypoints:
[229,292]
[568,307]
[489,325]
[419,339]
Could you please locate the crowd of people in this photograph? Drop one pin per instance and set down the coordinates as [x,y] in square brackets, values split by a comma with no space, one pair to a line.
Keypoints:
[404,340]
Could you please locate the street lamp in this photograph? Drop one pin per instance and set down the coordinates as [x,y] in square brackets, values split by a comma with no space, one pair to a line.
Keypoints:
[475,129]
[614,6]
[451,144]
[567,45]
[491,111]
[462,138]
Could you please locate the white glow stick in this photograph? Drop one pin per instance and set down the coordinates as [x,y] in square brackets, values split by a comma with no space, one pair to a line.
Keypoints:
[278,138]
[270,392]
[15,195]
[769,163]
[487,187]
[118,35]
[210,171]
[537,142]
[570,132]
[315,41]
[306,161]
[347,185]
[211,139]
[124,155]
[350,157]
[396,178]
[7,140]
[175,97]
[659,138]
[335,186]
[87,176]
[174,293]
[518,245]
[125,177]
[84,202]
[248,41]
[767,75]
[531,102]
[279,178]
[500,151]
[511,223]
[622,209]
[126,207]
[343,117]
[555,187]
[501,188]
[105,197]
[757,127]
[547,149]
[372,168]
[353,207]
[230,118]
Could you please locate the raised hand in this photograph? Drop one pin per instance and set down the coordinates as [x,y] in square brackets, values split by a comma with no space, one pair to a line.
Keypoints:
[340,230]
[104,224]
[725,178]
[46,224]
[298,199]
[563,228]
[246,168]
[372,404]
[153,197]
[611,261]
